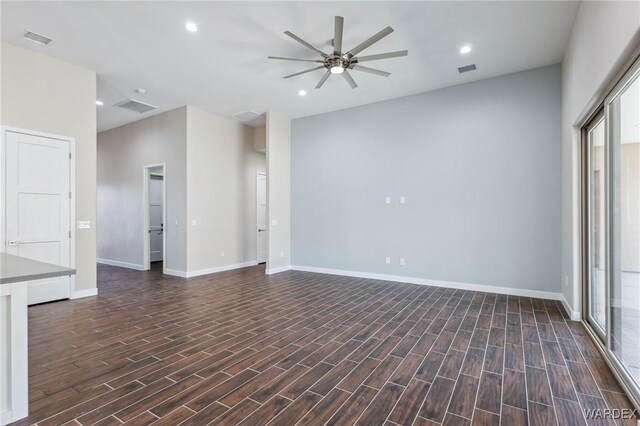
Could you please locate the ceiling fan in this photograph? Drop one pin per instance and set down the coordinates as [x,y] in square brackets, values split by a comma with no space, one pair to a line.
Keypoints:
[338,62]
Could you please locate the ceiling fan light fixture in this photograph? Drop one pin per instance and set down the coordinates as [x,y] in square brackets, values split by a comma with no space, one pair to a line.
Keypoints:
[339,61]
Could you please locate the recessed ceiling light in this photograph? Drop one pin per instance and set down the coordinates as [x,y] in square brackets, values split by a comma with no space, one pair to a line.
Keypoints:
[465,49]
[337,70]
[99,103]
[191,27]
[302,93]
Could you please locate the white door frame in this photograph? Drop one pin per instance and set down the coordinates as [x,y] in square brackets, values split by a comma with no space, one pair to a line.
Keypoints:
[72,189]
[258,174]
[146,238]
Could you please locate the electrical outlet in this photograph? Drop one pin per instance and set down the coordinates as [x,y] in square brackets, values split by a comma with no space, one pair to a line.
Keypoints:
[402,200]
[193,222]
[281,254]
[402,261]
[387,260]
[176,223]
[566,281]
[387,200]
[222,254]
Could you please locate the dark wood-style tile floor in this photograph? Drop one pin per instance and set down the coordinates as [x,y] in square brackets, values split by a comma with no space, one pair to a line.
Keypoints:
[299,348]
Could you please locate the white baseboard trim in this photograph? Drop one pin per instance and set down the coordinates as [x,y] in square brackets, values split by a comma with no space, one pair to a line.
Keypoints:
[574,315]
[78,294]
[223,268]
[436,283]
[272,271]
[121,264]
[175,273]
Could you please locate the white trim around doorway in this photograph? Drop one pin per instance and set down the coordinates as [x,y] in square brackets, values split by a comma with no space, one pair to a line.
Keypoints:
[146,176]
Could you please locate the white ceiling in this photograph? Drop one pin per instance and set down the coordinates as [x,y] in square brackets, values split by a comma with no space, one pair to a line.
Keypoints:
[223,68]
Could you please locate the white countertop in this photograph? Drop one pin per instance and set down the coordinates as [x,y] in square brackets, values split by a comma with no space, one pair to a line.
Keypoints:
[15,269]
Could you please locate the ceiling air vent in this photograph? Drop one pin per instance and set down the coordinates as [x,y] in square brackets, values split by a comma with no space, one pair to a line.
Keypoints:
[250,118]
[467,68]
[136,106]
[37,38]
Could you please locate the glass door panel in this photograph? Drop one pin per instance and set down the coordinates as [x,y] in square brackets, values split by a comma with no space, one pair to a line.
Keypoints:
[597,272]
[623,115]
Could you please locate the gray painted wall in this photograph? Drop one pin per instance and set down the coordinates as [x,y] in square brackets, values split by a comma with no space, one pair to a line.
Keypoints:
[221,191]
[479,165]
[122,154]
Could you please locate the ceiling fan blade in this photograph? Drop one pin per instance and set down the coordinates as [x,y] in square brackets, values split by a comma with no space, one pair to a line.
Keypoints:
[349,79]
[323,79]
[304,72]
[370,70]
[383,56]
[337,35]
[371,40]
[304,43]
[296,59]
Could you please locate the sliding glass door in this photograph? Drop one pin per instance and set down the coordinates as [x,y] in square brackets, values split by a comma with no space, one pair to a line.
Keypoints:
[623,118]
[596,216]
[611,182]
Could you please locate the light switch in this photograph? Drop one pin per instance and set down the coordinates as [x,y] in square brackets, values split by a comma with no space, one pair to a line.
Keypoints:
[222,254]
[176,223]
[387,200]
[402,200]
[84,224]
[193,222]
[274,222]
[402,261]
[387,260]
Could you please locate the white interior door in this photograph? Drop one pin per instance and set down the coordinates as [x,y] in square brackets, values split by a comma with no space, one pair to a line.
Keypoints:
[261,195]
[37,204]
[156,226]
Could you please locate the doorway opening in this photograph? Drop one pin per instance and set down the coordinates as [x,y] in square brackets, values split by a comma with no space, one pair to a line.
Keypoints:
[261,216]
[154,199]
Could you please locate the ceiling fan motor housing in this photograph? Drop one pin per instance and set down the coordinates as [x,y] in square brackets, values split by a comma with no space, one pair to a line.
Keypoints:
[337,61]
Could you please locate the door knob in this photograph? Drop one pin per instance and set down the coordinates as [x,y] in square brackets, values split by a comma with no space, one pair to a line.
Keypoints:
[261,230]
[12,243]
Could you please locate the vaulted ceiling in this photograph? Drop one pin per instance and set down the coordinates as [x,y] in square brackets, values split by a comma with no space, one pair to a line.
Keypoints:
[223,67]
